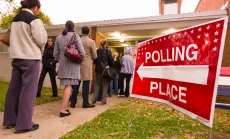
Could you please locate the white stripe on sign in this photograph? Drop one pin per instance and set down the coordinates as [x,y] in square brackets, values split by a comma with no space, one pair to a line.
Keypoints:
[197,74]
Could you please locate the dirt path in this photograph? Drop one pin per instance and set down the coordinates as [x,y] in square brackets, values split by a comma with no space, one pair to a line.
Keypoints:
[53,127]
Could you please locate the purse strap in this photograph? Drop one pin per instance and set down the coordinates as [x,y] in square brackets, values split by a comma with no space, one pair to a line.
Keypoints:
[72,39]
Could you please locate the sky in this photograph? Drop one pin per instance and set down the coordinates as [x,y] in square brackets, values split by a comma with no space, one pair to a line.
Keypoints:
[95,10]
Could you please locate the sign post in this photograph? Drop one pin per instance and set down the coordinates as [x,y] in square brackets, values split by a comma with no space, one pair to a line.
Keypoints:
[181,69]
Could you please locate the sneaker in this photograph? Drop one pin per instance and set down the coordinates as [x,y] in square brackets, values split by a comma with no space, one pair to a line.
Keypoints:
[34,127]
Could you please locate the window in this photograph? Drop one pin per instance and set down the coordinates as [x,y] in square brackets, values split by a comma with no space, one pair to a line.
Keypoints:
[170,7]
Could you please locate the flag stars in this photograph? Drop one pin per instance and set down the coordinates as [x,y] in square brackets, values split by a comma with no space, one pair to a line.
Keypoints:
[192,31]
[216,33]
[215,41]
[160,40]
[218,25]
[185,33]
[199,29]
[206,35]
[208,27]
[156,41]
[206,42]
[164,38]
[214,49]
[169,37]
[198,37]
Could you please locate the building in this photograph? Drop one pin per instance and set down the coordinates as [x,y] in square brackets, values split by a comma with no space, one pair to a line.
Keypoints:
[129,32]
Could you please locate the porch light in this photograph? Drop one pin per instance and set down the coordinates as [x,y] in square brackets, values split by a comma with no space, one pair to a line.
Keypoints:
[122,40]
[117,35]
[171,30]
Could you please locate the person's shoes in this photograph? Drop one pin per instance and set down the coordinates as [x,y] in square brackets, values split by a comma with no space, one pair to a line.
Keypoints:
[64,114]
[110,95]
[10,126]
[55,95]
[103,103]
[88,106]
[72,106]
[67,110]
[34,127]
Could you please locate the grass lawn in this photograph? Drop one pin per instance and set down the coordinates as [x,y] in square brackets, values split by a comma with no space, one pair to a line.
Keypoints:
[149,120]
[46,95]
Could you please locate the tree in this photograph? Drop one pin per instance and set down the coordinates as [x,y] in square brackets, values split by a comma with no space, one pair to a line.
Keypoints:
[7,19]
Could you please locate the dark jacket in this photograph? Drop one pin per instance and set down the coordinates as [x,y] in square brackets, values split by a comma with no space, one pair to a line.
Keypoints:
[48,58]
[104,58]
[117,65]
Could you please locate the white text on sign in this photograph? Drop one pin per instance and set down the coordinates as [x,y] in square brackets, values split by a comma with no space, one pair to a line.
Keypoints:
[176,54]
[173,91]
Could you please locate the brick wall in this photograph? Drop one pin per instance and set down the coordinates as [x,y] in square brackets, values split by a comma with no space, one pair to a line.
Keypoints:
[208,5]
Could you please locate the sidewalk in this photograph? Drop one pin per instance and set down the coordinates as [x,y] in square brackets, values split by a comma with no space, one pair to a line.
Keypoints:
[52,126]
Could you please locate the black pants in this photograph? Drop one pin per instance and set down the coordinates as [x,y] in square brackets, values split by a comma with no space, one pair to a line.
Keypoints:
[52,74]
[121,82]
[85,93]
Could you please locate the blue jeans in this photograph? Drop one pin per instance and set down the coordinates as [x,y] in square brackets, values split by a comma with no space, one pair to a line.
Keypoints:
[85,93]
[115,87]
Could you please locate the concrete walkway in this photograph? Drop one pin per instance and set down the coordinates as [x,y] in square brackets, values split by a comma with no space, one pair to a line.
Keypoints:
[52,126]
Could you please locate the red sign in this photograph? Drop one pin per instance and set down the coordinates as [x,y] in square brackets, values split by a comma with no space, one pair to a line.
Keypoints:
[182,69]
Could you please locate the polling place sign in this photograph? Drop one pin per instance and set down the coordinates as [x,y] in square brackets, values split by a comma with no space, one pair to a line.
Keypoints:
[182,69]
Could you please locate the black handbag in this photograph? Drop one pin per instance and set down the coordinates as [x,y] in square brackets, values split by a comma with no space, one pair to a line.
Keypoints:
[109,73]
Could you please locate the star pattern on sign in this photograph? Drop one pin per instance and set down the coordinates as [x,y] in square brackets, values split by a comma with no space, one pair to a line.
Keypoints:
[199,30]
[192,31]
[215,41]
[198,37]
[179,34]
[164,38]
[216,33]
[206,42]
[185,33]
[160,40]
[156,40]
[218,25]
[206,35]
[215,48]
[208,27]
[169,37]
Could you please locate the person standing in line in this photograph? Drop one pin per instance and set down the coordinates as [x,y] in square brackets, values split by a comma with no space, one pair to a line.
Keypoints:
[68,71]
[27,38]
[49,65]
[86,70]
[104,58]
[127,67]
[114,83]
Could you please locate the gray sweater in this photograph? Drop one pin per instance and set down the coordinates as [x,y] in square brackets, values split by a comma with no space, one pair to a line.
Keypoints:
[67,69]
[127,63]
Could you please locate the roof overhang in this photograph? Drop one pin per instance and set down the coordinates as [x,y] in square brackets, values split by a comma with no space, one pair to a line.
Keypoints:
[145,23]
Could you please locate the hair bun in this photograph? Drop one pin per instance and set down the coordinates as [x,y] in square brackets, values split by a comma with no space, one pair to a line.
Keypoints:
[24,2]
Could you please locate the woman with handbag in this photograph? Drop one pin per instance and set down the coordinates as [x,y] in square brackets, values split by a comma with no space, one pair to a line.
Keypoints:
[104,59]
[68,48]
[27,37]
[49,65]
